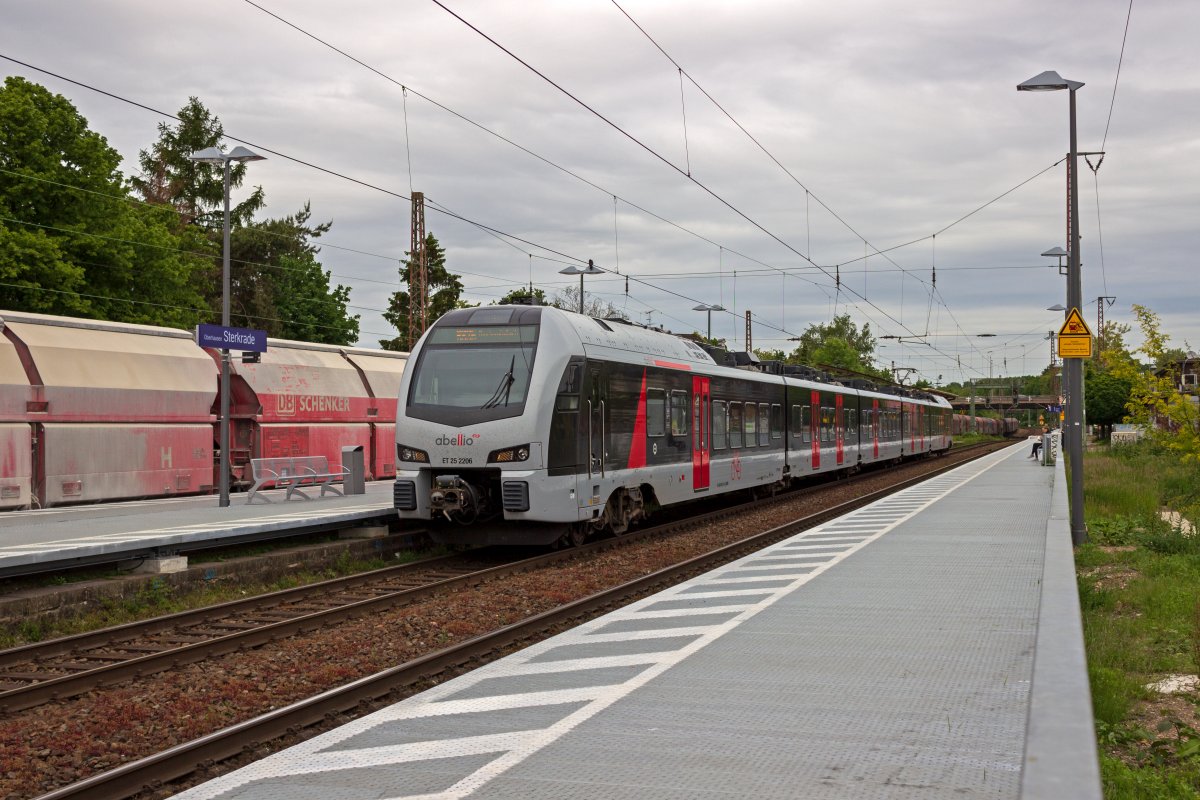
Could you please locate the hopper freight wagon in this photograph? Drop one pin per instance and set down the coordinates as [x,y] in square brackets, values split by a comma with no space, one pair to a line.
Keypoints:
[93,411]
[306,399]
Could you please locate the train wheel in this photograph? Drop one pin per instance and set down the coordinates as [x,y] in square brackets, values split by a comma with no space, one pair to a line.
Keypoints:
[576,535]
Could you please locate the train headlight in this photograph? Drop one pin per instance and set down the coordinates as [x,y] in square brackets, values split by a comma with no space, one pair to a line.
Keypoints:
[510,454]
[406,453]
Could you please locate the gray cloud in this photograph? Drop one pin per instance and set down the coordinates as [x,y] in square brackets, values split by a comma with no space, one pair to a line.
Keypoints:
[901,117]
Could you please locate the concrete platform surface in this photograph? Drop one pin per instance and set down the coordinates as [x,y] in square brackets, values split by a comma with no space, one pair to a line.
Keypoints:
[85,534]
[902,651]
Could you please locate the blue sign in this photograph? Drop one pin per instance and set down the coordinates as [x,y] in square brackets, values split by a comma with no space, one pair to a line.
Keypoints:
[223,338]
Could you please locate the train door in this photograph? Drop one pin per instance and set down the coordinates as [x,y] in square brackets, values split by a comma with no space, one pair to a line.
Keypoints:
[814,422]
[875,428]
[597,434]
[701,425]
[839,428]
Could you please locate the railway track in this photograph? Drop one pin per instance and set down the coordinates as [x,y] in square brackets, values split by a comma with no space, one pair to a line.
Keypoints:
[132,778]
[59,669]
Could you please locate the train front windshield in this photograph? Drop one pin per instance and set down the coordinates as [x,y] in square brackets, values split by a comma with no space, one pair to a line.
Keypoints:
[473,373]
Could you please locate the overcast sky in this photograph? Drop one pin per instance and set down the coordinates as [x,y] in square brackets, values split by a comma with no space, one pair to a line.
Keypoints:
[894,120]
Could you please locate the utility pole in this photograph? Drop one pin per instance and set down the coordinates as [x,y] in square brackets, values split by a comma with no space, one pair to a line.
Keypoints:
[418,278]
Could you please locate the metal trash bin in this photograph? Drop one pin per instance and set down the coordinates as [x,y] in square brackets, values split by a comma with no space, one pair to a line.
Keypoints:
[355,481]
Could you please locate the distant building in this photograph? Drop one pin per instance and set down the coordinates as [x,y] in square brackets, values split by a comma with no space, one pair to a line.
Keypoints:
[1186,372]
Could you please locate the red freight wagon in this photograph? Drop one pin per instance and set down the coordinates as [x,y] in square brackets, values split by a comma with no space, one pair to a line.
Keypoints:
[16,395]
[116,410]
[313,400]
[381,371]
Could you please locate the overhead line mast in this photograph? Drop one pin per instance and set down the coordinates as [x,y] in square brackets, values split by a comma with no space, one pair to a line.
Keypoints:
[418,279]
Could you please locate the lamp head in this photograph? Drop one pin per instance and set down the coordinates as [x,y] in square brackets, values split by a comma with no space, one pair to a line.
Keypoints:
[571,270]
[1048,81]
[209,155]
[1056,252]
[244,154]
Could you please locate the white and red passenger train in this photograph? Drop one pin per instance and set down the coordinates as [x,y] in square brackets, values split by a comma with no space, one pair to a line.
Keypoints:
[93,411]
[527,425]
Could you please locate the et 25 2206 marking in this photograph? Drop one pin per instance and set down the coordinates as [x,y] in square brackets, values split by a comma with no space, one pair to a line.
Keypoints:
[458,460]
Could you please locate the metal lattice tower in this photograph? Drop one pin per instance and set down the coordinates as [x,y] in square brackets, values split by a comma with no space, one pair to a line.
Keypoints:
[418,279]
[749,347]
[1100,313]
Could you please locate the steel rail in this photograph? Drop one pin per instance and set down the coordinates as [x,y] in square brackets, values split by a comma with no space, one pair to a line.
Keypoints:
[179,761]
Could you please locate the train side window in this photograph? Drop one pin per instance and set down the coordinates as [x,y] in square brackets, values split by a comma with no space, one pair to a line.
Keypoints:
[748,423]
[764,424]
[679,413]
[806,423]
[851,421]
[656,412]
[720,440]
[826,424]
[735,424]
[797,428]
[776,421]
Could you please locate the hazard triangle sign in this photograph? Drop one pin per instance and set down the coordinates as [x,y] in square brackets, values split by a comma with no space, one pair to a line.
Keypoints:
[1074,325]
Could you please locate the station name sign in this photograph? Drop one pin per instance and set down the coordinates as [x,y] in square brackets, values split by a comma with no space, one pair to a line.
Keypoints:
[222,337]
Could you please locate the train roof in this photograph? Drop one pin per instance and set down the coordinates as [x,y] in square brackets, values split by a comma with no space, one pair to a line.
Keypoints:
[661,348]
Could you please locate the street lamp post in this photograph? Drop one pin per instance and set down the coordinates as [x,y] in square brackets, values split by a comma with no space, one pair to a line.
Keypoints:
[591,269]
[709,309]
[213,155]
[1072,367]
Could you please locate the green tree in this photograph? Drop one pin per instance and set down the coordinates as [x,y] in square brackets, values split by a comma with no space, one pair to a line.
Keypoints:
[277,284]
[861,342]
[839,346]
[443,293]
[836,352]
[1169,416]
[197,191]
[70,240]
[522,296]
[1104,397]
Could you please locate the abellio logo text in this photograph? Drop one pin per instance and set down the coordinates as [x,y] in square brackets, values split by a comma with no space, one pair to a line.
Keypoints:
[458,440]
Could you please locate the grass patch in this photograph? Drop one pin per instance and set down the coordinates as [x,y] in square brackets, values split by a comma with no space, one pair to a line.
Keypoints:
[1139,582]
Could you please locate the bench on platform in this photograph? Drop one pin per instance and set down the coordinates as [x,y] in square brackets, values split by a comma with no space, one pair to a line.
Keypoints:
[295,473]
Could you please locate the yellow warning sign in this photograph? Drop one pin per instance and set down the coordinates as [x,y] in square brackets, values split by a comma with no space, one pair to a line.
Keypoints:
[1074,325]
[1074,346]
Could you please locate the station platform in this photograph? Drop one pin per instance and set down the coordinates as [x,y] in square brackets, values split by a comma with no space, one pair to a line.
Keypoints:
[926,646]
[66,536]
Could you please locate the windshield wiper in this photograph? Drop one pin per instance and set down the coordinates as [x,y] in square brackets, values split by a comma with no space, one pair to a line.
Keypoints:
[503,389]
